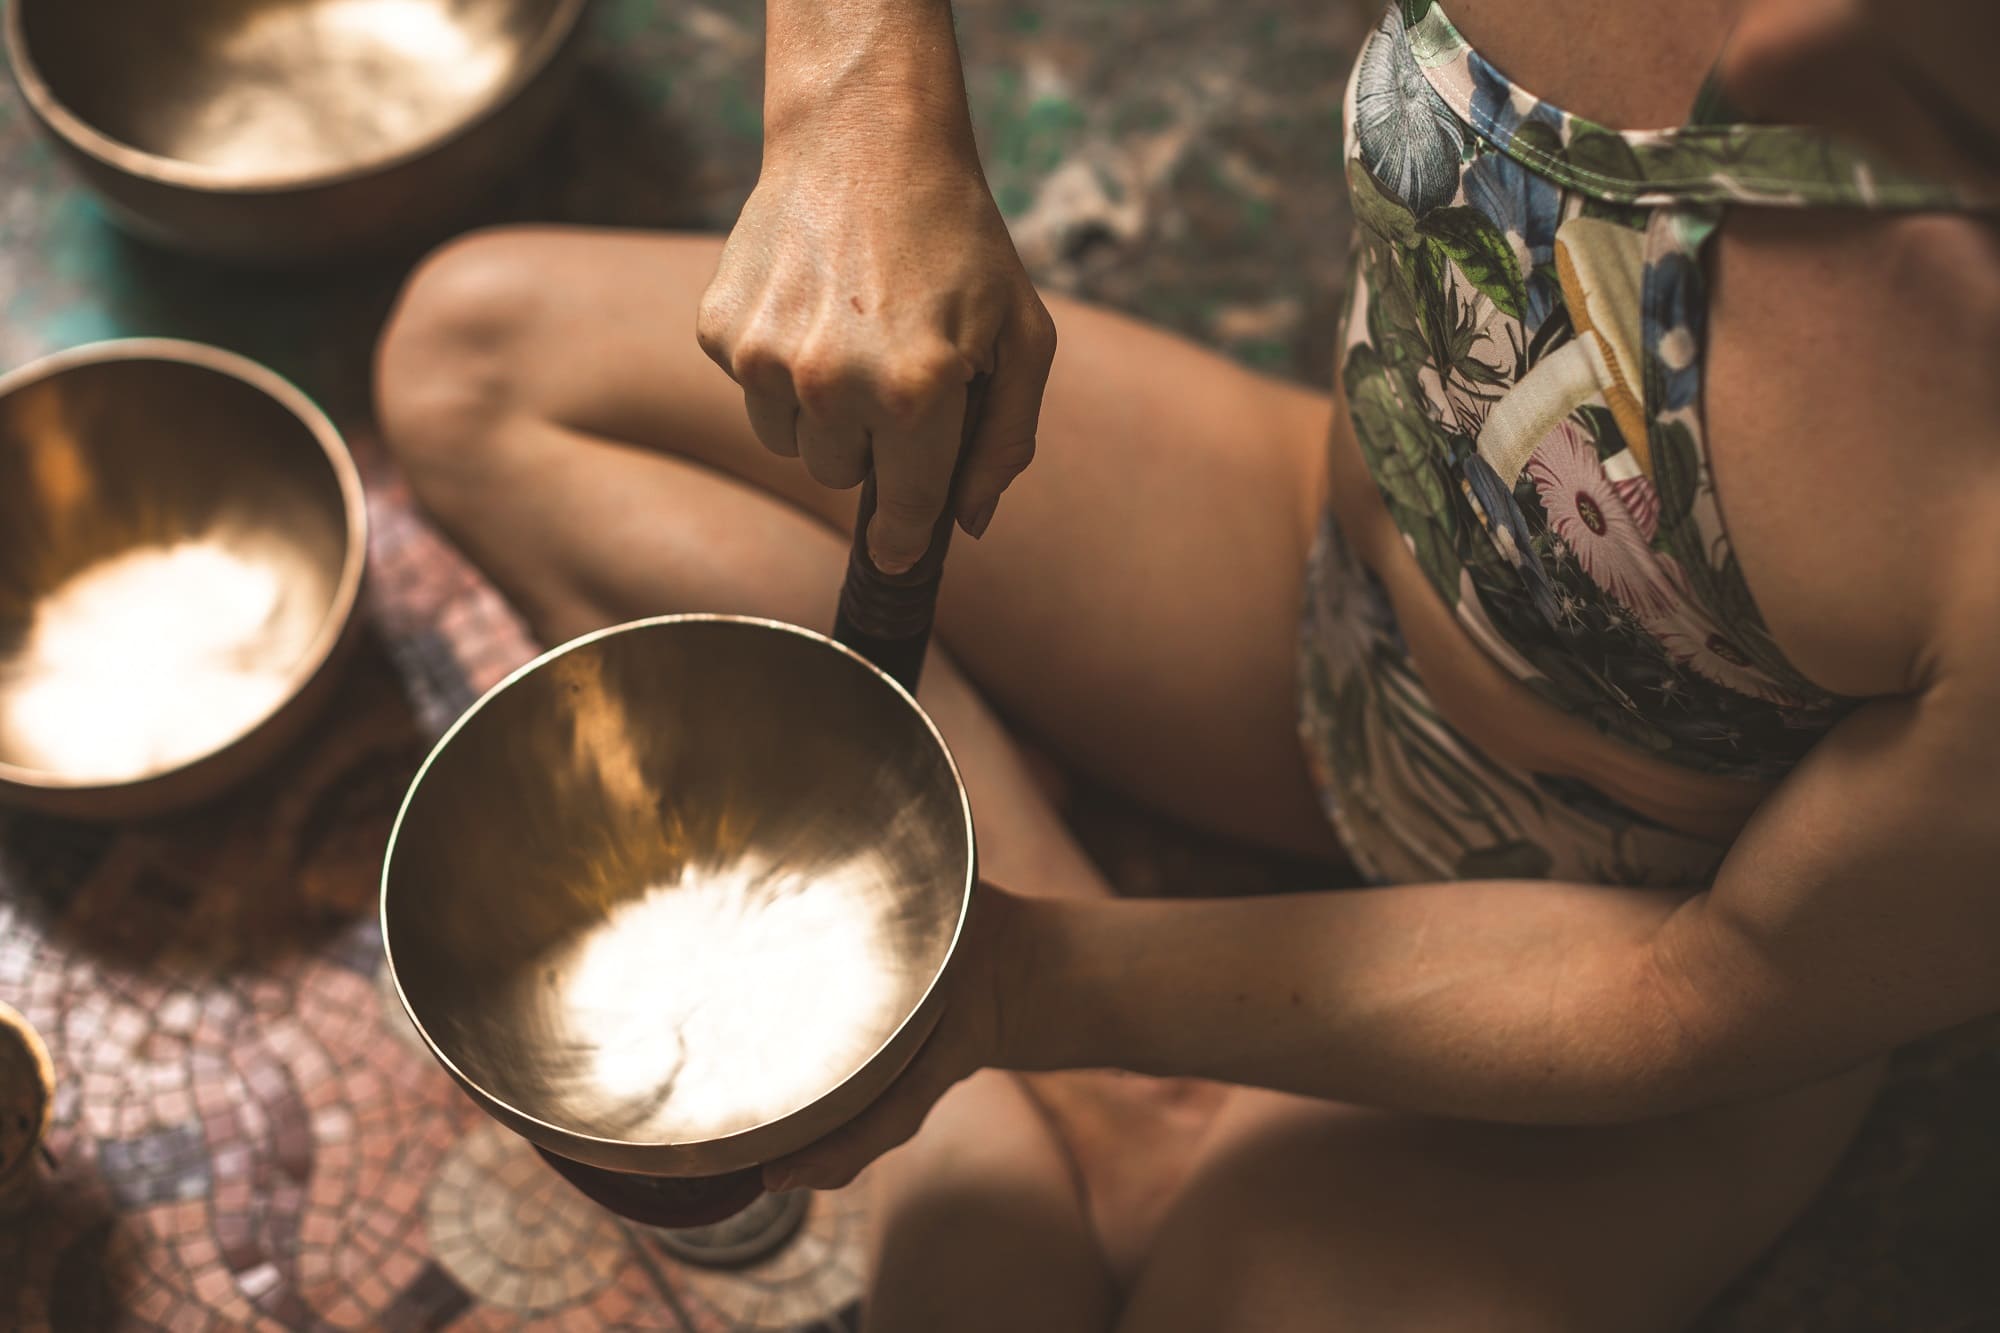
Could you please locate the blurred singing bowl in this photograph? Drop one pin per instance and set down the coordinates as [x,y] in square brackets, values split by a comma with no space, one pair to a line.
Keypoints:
[181,544]
[675,898]
[281,130]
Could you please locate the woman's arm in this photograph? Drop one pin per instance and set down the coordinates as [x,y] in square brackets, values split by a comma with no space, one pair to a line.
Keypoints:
[870,276]
[861,61]
[1859,909]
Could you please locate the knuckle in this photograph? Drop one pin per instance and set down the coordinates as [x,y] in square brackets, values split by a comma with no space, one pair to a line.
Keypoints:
[1041,334]
[820,383]
[911,386]
[1011,455]
[711,329]
[759,366]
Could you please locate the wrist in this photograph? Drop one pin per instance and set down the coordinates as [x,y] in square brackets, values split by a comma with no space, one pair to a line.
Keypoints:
[1044,1020]
[881,68]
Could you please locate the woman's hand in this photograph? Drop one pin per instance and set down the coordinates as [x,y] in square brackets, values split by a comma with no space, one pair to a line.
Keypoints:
[870,277]
[969,1037]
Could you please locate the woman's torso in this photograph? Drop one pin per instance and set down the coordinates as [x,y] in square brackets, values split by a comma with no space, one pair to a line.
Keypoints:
[1665,715]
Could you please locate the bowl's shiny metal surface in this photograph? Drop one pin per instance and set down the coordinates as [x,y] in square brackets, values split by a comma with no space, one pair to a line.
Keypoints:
[674,898]
[278,129]
[27,1099]
[182,535]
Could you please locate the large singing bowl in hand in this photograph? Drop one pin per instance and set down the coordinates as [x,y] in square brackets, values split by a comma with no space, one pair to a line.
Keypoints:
[676,898]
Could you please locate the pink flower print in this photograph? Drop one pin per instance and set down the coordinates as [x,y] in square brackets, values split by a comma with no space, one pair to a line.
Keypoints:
[1588,512]
[1694,640]
[1696,643]
[1641,501]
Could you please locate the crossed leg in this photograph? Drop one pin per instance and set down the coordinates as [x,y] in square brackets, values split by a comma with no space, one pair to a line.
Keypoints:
[1134,606]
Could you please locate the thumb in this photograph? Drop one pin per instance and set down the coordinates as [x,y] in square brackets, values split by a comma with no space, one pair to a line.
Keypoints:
[890,1121]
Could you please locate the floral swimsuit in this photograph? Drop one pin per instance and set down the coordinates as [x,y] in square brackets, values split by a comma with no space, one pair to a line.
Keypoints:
[1522,361]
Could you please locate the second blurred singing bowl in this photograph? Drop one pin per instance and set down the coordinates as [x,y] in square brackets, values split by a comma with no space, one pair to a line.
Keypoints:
[676,898]
[283,130]
[182,536]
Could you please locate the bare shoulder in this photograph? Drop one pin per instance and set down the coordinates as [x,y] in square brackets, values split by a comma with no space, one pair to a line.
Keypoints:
[1852,395]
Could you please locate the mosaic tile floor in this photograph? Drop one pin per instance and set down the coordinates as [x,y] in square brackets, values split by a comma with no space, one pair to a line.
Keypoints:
[247,1134]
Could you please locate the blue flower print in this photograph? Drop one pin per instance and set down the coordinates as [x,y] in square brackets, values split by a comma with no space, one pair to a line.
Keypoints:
[1523,205]
[1493,107]
[1673,325]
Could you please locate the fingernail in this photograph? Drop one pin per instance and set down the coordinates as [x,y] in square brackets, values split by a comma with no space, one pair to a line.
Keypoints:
[890,564]
[975,527]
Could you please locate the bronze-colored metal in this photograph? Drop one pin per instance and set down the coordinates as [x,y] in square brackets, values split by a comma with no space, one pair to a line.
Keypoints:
[182,535]
[675,898]
[27,1096]
[288,129]
[767,1225]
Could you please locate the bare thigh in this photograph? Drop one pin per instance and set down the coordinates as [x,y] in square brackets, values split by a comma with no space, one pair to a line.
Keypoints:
[1302,1217]
[1134,605]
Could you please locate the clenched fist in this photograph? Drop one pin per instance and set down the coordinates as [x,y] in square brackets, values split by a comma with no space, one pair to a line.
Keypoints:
[868,280]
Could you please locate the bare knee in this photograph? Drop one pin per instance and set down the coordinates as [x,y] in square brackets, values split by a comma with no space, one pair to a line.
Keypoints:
[447,367]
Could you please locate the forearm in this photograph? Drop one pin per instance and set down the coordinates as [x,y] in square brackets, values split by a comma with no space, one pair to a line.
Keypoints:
[1517,1001]
[864,61]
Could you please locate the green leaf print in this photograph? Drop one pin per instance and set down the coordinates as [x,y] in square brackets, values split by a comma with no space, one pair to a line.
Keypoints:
[1535,139]
[1394,437]
[1481,253]
[1509,860]
[1392,318]
[1604,155]
[1396,452]
[1377,211]
[1364,363]
[1676,470]
[1437,553]
[1601,426]
[1769,160]
[1449,327]
[1414,11]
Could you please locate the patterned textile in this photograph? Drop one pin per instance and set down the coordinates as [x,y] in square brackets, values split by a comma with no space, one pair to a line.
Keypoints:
[1522,361]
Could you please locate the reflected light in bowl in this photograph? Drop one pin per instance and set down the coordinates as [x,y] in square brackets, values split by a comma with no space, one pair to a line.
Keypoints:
[140,661]
[702,1006]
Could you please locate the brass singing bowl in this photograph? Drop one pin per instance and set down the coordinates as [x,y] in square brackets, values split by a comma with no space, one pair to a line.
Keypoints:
[182,536]
[278,130]
[675,898]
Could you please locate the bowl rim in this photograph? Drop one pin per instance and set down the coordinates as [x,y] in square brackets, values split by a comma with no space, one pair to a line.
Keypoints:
[172,171]
[353,501]
[731,1146]
[15,1024]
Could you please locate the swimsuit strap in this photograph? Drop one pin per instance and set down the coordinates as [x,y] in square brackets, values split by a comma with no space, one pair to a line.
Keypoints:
[1711,160]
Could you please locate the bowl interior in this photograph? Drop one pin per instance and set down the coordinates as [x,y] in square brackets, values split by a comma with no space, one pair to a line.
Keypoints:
[173,543]
[258,90]
[677,881]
